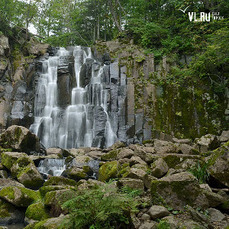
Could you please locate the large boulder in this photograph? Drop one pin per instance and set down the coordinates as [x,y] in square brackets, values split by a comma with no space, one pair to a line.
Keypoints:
[9,182]
[19,196]
[19,138]
[108,170]
[219,164]
[159,168]
[207,142]
[55,200]
[162,147]
[22,168]
[180,189]
[36,212]
[26,173]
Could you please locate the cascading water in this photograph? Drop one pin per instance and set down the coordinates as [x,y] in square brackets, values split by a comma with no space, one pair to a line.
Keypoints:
[83,123]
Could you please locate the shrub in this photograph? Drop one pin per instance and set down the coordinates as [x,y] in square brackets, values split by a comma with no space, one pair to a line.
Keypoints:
[104,207]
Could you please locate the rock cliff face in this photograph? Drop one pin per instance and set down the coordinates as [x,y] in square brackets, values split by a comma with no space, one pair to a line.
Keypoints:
[17,82]
[143,101]
[158,102]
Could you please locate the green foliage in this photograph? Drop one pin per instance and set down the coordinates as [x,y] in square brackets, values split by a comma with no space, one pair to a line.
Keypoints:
[163,225]
[200,171]
[104,207]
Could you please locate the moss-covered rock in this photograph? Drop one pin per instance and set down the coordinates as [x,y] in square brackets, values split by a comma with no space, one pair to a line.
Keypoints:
[55,199]
[37,211]
[52,223]
[20,139]
[219,164]
[182,189]
[44,189]
[60,181]
[108,170]
[174,159]
[111,155]
[26,173]
[76,173]
[19,196]
[9,158]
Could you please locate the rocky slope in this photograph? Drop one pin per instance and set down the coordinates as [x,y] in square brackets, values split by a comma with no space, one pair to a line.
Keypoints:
[182,184]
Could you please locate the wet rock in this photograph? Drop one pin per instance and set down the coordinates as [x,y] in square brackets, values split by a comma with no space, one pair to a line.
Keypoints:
[19,138]
[19,196]
[159,168]
[157,212]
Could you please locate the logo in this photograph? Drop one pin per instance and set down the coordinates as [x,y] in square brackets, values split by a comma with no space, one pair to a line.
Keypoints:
[202,16]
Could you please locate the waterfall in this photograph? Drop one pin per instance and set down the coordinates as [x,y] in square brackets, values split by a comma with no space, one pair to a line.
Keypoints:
[85,121]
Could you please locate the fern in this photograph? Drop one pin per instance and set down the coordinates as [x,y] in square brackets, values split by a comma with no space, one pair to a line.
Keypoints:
[104,207]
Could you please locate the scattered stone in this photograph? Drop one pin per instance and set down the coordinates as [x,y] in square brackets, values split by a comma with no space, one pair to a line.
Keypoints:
[145,217]
[148,225]
[162,147]
[60,181]
[159,168]
[136,174]
[207,142]
[158,212]
[117,145]
[55,151]
[131,183]
[181,141]
[137,160]
[125,153]
[215,215]
[224,137]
